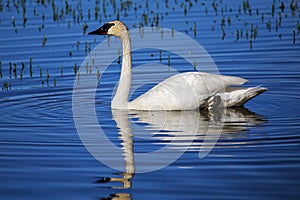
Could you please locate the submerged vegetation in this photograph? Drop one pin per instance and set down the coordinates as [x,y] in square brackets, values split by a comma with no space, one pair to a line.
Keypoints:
[241,21]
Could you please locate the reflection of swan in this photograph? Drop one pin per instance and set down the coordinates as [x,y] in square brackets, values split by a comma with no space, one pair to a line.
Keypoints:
[127,146]
[192,125]
[204,127]
[231,120]
[185,91]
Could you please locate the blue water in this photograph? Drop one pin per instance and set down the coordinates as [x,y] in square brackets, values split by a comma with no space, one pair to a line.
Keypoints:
[256,155]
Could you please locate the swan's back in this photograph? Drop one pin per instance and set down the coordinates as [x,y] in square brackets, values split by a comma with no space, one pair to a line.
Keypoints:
[185,91]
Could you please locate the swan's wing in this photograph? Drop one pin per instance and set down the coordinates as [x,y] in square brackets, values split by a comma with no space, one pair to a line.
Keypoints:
[184,91]
[240,96]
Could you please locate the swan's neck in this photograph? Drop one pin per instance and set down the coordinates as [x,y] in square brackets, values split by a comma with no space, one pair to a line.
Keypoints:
[120,100]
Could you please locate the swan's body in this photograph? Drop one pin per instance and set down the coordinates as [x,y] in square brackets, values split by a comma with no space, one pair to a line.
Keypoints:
[185,91]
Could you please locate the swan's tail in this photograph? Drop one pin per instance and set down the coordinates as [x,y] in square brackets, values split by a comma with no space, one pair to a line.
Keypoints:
[235,97]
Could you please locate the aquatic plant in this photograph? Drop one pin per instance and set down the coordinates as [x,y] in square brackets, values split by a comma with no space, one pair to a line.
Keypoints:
[240,22]
[44,40]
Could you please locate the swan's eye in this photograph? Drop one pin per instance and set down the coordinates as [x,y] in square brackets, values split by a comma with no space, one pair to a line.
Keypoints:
[102,30]
[107,26]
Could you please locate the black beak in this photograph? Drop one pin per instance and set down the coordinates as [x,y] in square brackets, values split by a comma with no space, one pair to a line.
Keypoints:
[102,30]
[99,31]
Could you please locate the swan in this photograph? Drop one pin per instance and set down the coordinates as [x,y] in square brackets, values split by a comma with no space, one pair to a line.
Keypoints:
[184,91]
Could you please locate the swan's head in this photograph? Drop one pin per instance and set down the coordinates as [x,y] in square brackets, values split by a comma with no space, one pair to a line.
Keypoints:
[115,28]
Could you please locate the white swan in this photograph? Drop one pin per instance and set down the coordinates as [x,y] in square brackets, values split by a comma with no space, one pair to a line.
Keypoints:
[185,91]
